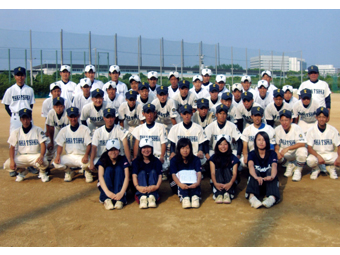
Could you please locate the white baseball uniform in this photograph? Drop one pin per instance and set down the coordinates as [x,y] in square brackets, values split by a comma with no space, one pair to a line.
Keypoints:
[271,113]
[307,115]
[115,103]
[96,84]
[68,90]
[171,92]
[245,114]
[212,105]
[165,113]
[208,119]
[79,101]
[271,89]
[151,97]
[191,99]
[203,93]
[264,102]
[154,92]
[292,101]
[131,118]
[320,90]
[93,117]
[48,105]
[232,112]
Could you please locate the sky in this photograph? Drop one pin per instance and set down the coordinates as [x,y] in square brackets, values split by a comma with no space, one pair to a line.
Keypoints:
[315,32]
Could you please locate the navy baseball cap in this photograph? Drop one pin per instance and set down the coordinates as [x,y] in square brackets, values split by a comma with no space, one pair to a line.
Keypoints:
[184,84]
[247,96]
[185,108]
[58,100]
[202,102]
[143,85]
[227,96]
[162,89]
[286,113]
[97,92]
[131,94]
[25,112]
[72,111]
[109,112]
[222,107]
[213,88]
[323,110]
[257,110]
[19,70]
[313,69]
[149,108]
[306,93]
[278,93]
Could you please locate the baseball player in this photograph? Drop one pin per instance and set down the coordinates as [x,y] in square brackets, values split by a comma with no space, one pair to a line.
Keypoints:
[272,112]
[68,88]
[322,139]
[288,95]
[152,80]
[174,80]
[145,97]
[290,145]
[214,99]
[203,116]
[114,73]
[198,90]
[206,75]
[246,83]
[221,81]
[185,96]
[134,82]
[112,99]
[304,111]
[90,73]
[227,99]
[263,98]
[77,141]
[105,133]
[17,97]
[83,98]
[320,89]
[267,76]
[237,89]
[30,143]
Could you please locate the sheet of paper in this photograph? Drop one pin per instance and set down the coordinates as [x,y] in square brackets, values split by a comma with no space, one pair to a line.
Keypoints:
[187,176]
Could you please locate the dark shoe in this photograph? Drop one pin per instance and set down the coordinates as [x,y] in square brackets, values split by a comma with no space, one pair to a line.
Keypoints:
[13,174]
[32,170]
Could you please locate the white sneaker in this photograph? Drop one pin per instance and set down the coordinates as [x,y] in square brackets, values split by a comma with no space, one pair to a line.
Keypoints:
[68,176]
[152,201]
[143,202]
[269,201]
[254,202]
[219,199]
[119,205]
[108,204]
[195,201]
[297,175]
[44,177]
[20,177]
[289,169]
[186,203]
[332,172]
[88,177]
[315,173]
[226,198]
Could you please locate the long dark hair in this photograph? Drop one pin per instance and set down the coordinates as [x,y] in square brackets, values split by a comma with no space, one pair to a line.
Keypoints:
[140,155]
[266,138]
[180,144]
[222,159]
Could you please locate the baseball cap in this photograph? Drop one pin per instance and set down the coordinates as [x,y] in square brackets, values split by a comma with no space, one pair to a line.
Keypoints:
[176,74]
[227,96]
[257,110]
[111,84]
[221,77]
[222,107]
[72,111]
[247,96]
[206,71]
[143,85]
[162,89]
[197,77]
[131,94]
[58,100]
[88,68]
[134,77]
[286,113]
[185,108]
[114,68]
[263,83]
[85,81]
[323,110]
[113,143]
[109,112]
[202,102]
[237,86]
[53,85]
[223,136]
[286,88]
[97,92]
[149,108]
[267,72]
[246,78]
[184,84]
[278,93]
[25,112]
[19,70]
[144,142]
[312,69]
[306,93]
[152,74]
[214,87]
[65,67]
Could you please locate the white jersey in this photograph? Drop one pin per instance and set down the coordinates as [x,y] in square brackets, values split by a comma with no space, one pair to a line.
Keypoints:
[157,133]
[294,136]
[208,119]
[213,130]
[52,120]
[191,99]
[75,142]
[96,84]
[195,134]
[307,114]
[68,90]
[224,90]
[249,133]
[323,142]
[101,136]
[270,90]
[151,97]
[207,86]
[292,101]
[154,92]
[80,101]
[166,113]
[171,92]
[131,118]
[27,143]
[264,102]
[95,117]
[18,98]
[203,93]
[271,113]
[48,105]
[253,91]
[212,106]
[232,112]
[236,103]
[243,113]
[117,101]
[320,90]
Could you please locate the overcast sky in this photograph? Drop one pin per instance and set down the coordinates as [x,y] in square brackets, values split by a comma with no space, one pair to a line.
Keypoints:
[314,32]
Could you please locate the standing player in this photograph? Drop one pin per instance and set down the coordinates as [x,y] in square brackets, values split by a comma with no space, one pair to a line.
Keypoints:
[267,76]
[174,80]
[68,88]
[221,81]
[83,98]
[263,98]
[112,99]
[272,112]
[152,80]
[236,89]
[90,73]
[206,75]
[246,83]
[288,95]
[114,73]
[322,139]
[203,116]
[185,96]
[226,100]
[198,90]
[30,143]
[145,97]
[134,82]
[214,99]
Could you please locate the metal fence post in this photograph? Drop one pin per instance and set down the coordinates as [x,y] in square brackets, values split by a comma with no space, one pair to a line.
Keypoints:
[9,67]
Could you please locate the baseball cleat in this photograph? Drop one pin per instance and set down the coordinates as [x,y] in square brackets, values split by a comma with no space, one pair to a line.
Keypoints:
[289,169]
[68,176]
[332,172]
[315,173]
[296,175]
[44,177]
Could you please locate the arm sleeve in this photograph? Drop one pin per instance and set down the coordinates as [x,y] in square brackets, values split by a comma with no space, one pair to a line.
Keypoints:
[239,124]
[328,102]
[239,147]
[172,147]
[8,110]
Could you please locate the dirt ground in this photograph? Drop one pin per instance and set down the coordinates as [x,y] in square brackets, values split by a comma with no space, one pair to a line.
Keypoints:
[56,213]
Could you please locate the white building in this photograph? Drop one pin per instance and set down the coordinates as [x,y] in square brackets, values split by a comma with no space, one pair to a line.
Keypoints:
[327,69]
[295,64]
[283,63]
